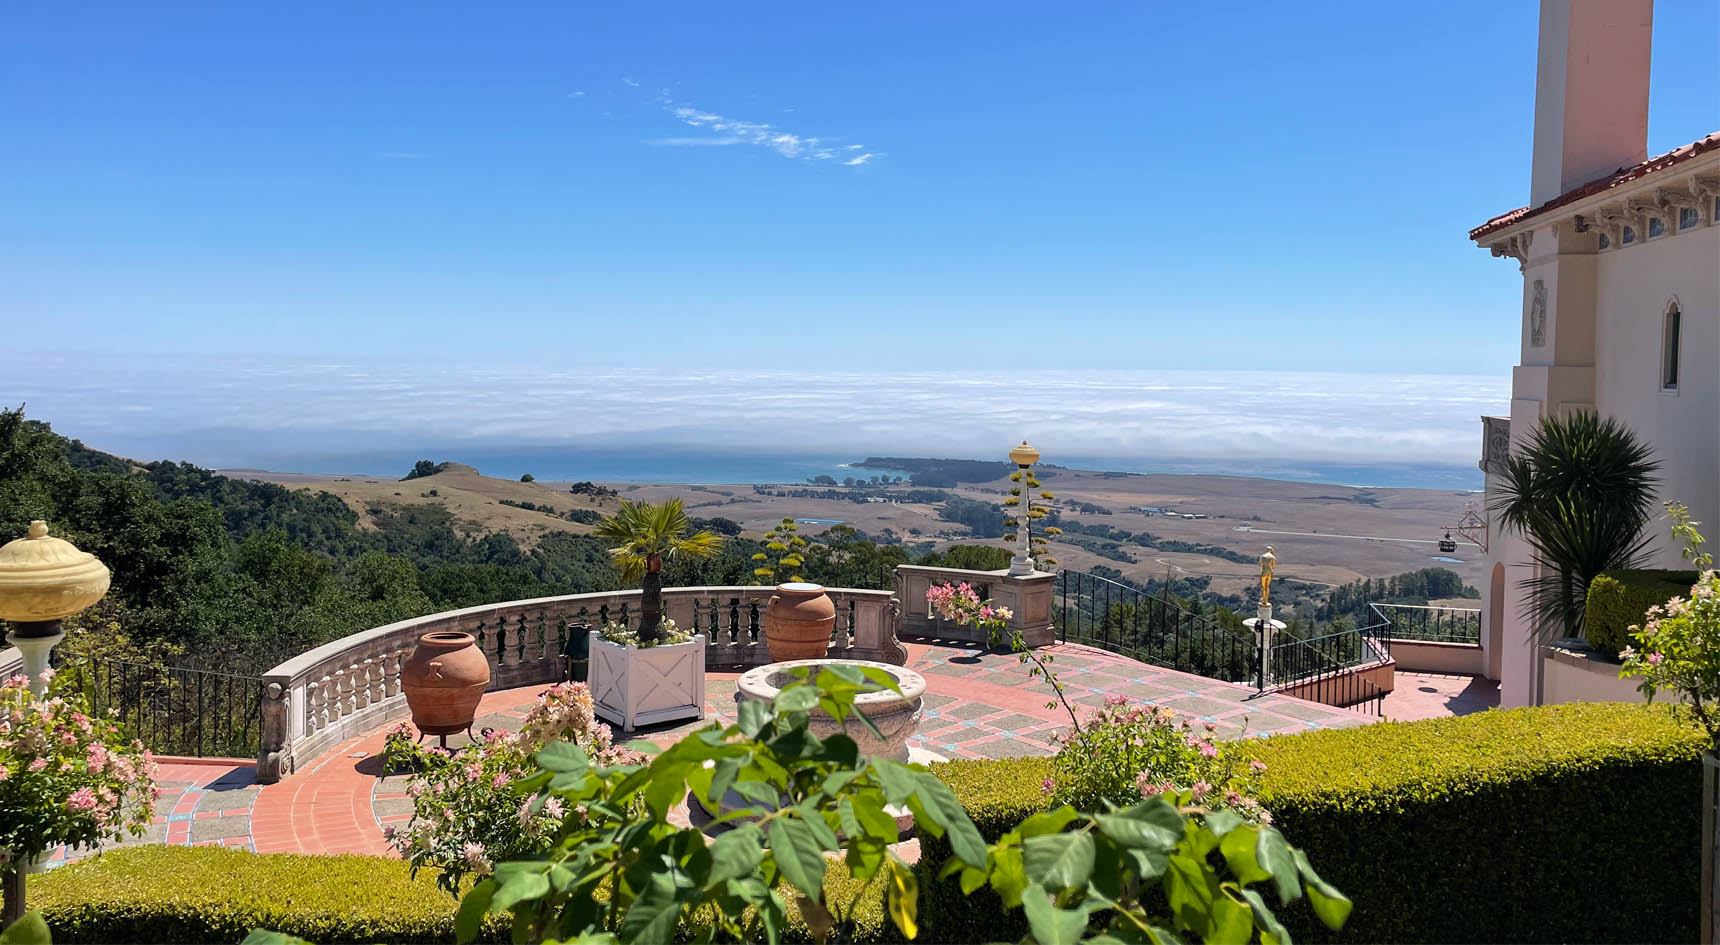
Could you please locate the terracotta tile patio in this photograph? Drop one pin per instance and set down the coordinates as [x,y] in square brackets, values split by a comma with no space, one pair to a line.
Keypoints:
[977,705]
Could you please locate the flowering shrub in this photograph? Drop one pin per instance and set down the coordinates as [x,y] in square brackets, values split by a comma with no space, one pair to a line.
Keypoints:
[616,632]
[467,811]
[1129,752]
[960,604]
[1680,642]
[66,777]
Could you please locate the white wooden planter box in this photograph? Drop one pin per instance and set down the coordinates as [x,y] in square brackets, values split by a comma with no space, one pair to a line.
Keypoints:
[634,687]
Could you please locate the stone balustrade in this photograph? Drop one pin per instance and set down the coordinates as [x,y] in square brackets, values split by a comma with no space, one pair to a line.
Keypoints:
[1028,596]
[11,662]
[352,685]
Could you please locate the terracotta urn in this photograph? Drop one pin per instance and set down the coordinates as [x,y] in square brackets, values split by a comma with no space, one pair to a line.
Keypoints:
[798,621]
[443,680]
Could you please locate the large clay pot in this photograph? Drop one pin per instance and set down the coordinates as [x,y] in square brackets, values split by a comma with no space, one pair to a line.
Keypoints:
[443,680]
[798,621]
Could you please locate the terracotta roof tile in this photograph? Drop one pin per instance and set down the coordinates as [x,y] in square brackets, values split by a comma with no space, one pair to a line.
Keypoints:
[1623,175]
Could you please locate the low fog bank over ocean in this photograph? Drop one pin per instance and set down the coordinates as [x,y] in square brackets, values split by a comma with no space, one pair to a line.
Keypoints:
[695,425]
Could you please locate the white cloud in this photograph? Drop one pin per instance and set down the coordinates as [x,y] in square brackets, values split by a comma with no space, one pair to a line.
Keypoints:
[762,134]
[629,82]
[694,142]
[1239,421]
[576,95]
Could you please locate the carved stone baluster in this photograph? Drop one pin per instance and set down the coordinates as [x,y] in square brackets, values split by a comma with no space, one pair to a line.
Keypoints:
[366,683]
[391,673]
[344,691]
[324,688]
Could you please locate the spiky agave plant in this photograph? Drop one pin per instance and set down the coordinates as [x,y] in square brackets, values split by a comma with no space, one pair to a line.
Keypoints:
[642,536]
[1581,492]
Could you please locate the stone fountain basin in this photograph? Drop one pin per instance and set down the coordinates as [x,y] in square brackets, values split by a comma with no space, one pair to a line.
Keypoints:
[896,716]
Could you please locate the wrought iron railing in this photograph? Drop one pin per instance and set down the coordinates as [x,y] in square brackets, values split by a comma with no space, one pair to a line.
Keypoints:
[1100,612]
[174,710]
[1332,668]
[1435,624]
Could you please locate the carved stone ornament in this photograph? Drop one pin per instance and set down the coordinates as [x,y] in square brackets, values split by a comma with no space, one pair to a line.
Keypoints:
[1538,315]
[1495,443]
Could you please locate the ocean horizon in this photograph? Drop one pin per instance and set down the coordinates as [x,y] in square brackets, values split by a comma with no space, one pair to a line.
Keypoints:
[740,425]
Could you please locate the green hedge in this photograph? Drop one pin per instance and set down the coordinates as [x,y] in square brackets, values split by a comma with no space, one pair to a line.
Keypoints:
[1576,822]
[214,894]
[211,894]
[1618,599]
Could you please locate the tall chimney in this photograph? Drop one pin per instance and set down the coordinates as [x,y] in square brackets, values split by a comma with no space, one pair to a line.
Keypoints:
[1591,92]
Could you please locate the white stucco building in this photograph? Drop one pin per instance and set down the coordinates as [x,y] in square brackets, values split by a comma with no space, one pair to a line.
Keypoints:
[1620,255]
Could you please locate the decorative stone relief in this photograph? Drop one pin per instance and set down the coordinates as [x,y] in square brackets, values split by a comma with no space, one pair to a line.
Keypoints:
[1538,315]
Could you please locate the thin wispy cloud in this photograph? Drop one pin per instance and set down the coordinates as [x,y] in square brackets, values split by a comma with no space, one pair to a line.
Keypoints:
[576,95]
[727,131]
[629,82]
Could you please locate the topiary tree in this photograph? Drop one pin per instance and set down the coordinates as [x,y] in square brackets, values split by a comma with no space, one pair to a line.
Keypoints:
[1581,491]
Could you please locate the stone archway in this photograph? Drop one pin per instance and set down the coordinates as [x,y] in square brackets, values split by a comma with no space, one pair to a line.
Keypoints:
[1495,618]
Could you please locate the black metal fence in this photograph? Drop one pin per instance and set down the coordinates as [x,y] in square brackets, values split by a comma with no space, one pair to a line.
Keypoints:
[1101,612]
[1327,668]
[175,710]
[1435,624]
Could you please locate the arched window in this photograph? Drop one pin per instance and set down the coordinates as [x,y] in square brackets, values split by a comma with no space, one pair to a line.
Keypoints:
[1670,332]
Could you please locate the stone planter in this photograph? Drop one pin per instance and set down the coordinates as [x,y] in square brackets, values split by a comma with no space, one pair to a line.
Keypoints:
[633,686]
[797,622]
[444,680]
[897,716]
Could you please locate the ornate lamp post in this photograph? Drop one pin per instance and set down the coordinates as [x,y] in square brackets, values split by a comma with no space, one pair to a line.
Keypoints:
[42,581]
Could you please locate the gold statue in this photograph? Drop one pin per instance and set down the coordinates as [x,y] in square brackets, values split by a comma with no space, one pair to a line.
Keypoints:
[1268,564]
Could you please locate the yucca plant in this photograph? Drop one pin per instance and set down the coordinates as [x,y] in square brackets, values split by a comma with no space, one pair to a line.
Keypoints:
[642,536]
[1581,492]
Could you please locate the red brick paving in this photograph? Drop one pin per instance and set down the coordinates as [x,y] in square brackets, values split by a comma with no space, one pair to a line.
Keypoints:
[978,705]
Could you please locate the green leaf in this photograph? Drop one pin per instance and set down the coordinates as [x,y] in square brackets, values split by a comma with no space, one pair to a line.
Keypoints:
[866,855]
[651,917]
[904,898]
[1190,888]
[874,820]
[939,802]
[668,786]
[722,778]
[797,698]
[797,854]
[519,888]
[1222,822]
[22,928]
[1240,849]
[752,716]
[469,921]
[1152,824]
[1058,861]
[1232,921]
[1272,932]
[1051,821]
[736,853]
[899,782]
[1332,906]
[30,929]
[563,757]
[1008,875]
[1049,924]
[1273,855]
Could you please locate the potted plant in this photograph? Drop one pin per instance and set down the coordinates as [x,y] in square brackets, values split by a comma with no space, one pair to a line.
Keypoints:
[653,672]
[1678,651]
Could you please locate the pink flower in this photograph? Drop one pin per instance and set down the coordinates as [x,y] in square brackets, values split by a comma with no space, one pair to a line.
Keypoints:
[4,772]
[1200,790]
[17,681]
[388,832]
[1115,699]
[1654,659]
[553,808]
[416,789]
[46,675]
[38,764]
[83,800]
[1047,786]
[1257,766]
[499,781]
[474,771]
[525,812]
[473,854]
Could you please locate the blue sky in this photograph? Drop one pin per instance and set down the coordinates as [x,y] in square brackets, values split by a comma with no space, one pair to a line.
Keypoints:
[1141,185]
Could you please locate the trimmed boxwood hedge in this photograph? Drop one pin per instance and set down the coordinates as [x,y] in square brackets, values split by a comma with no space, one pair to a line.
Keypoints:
[212,894]
[1618,599]
[1578,822]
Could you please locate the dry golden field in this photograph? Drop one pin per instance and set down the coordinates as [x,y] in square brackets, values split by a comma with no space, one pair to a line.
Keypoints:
[1321,534]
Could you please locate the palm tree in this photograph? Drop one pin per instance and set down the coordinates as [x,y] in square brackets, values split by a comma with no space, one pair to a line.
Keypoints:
[642,537]
[1581,491]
